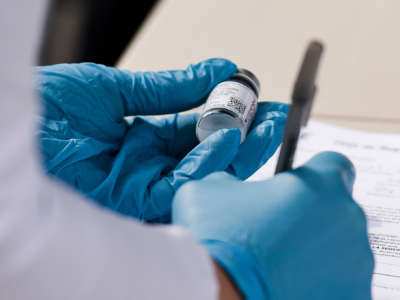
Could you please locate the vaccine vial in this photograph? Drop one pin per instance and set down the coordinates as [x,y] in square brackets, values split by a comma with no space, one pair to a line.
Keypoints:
[231,104]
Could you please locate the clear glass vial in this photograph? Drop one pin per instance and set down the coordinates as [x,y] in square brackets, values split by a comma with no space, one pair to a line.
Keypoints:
[231,104]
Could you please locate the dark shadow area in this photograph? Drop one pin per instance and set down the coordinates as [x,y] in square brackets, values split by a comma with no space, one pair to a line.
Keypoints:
[91,30]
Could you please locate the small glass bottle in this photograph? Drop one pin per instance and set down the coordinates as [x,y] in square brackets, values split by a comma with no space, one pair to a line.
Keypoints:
[231,104]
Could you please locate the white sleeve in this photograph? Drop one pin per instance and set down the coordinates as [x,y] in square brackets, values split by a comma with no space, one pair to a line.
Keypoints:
[56,245]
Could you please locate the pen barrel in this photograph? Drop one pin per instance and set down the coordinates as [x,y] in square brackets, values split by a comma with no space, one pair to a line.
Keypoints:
[304,87]
[290,138]
[302,99]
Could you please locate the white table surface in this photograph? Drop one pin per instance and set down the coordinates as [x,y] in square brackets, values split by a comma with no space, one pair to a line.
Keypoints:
[359,79]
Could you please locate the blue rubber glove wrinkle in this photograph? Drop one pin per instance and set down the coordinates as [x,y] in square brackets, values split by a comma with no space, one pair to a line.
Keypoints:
[135,165]
[299,235]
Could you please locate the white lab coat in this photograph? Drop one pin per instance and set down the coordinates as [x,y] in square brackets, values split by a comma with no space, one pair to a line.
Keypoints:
[54,244]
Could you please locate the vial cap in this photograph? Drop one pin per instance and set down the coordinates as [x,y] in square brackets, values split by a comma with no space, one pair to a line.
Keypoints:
[249,78]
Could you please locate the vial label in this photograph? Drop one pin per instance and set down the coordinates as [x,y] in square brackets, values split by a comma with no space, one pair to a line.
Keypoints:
[235,97]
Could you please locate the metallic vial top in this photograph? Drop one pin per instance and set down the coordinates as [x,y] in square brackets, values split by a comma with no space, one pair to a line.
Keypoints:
[247,78]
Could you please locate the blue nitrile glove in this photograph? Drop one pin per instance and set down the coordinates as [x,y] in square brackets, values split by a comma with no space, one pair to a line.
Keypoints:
[135,167]
[299,235]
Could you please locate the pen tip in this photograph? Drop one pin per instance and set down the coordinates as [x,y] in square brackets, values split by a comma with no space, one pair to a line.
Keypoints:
[316,46]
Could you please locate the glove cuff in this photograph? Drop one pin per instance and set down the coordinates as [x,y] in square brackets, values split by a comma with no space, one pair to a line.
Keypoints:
[240,267]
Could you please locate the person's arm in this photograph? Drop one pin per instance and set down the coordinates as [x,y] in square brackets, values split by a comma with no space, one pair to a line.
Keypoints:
[53,243]
[227,289]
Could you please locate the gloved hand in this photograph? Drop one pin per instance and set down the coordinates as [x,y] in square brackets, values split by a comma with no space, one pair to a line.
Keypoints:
[299,235]
[135,167]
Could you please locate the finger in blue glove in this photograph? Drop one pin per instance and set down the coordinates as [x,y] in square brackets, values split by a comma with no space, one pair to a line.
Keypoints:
[263,139]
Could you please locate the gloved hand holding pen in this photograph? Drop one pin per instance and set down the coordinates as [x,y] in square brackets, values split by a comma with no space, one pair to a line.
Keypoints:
[299,235]
[135,167]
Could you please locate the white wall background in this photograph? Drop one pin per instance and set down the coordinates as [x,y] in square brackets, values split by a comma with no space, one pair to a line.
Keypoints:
[359,82]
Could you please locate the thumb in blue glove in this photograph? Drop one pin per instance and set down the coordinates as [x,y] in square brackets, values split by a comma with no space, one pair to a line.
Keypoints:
[299,235]
[214,154]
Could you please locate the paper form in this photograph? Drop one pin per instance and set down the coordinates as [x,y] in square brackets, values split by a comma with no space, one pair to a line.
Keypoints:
[376,158]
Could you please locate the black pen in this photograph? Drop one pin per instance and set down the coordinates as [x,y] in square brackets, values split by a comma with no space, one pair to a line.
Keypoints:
[302,99]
